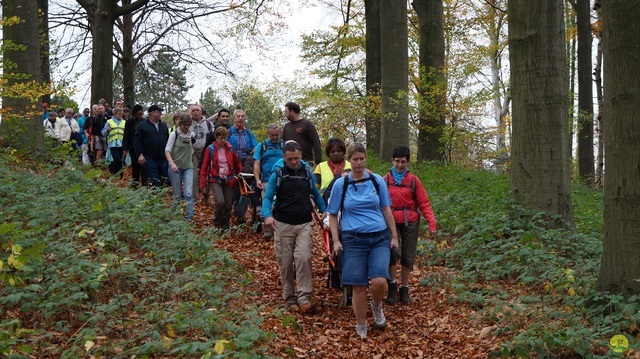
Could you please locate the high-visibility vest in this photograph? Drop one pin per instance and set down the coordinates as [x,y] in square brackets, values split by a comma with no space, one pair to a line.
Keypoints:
[117,131]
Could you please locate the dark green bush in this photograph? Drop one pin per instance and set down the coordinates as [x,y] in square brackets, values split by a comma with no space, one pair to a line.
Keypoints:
[102,270]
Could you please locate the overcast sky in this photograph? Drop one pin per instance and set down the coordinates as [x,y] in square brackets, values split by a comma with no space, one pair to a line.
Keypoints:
[278,60]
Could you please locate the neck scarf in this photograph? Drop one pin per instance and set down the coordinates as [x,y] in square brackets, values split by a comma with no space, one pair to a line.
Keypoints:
[397,177]
[336,169]
[184,137]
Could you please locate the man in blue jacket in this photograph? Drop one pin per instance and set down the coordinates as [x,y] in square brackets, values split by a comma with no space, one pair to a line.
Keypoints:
[240,137]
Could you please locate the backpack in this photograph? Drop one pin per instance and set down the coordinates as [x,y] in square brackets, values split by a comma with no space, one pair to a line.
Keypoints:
[308,176]
[265,147]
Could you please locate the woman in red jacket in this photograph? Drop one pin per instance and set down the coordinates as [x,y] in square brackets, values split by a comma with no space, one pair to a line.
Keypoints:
[408,200]
[219,165]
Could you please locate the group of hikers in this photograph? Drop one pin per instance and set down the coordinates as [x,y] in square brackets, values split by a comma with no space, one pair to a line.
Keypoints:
[372,219]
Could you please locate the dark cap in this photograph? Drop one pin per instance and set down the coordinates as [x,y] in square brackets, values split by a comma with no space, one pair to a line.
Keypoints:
[155,108]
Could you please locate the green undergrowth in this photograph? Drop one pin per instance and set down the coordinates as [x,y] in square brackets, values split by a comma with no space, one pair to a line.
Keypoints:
[534,286]
[91,269]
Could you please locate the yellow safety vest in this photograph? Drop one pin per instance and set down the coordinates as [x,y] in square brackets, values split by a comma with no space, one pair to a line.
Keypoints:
[117,131]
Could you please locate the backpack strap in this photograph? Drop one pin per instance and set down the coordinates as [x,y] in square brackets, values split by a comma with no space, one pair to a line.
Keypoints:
[348,180]
[413,192]
[280,176]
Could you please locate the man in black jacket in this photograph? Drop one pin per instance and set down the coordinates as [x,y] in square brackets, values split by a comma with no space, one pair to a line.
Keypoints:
[150,139]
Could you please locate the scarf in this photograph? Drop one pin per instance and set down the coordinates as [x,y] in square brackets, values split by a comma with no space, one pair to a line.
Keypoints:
[398,177]
[184,137]
[336,169]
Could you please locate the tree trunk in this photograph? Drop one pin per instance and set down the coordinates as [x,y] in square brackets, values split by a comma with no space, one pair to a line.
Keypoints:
[620,269]
[21,125]
[600,96]
[585,93]
[102,21]
[570,15]
[102,15]
[540,156]
[373,74]
[128,62]
[395,76]
[432,88]
[45,64]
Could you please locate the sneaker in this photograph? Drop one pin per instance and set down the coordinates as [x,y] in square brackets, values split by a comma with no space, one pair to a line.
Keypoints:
[404,295]
[379,321]
[392,293]
[361,330]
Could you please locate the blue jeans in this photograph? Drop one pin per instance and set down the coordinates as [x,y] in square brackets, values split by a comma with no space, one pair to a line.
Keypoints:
[184,177]
[155,167]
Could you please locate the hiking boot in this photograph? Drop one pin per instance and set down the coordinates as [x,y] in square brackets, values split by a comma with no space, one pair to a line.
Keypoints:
[404,295]
[392,293]
[361,330]
[379,321]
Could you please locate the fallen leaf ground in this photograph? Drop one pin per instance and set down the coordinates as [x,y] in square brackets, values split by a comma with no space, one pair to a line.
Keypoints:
[429,327]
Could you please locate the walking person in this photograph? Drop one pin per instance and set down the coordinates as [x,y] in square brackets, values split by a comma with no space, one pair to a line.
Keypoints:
[326,171]
[291,221]
[303,132]
[220,163]
[138,174]
[150,140]
[200,127]
[240,137]
[368,232]
[114,130]
[408,200]
[265,155]
[178,152]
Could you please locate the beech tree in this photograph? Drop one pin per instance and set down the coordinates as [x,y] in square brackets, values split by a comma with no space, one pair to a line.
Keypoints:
[395,76]
[620,269]
[373,73]
[432,82]
[21,82]
[539,89]
[102,15]
[586,167]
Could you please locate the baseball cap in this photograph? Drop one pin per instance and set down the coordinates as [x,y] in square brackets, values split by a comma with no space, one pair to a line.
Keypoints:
[155,108]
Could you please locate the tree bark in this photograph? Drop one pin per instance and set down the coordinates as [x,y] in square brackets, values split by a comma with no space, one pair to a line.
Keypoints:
[620,269]
[600,96]
[432,88]
[540,156]
[127,59]
[373,74]
[395,76]
[45,64]
[585,93]
[21,125]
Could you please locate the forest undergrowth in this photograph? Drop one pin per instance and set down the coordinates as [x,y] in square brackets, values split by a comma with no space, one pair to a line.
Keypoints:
[92,268]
